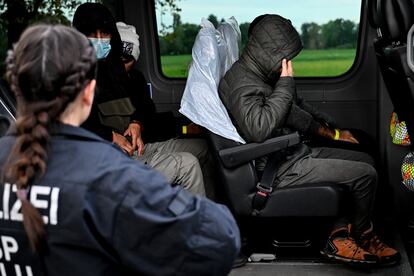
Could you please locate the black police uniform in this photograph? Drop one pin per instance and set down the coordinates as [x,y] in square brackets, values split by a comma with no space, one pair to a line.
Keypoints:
[107,214]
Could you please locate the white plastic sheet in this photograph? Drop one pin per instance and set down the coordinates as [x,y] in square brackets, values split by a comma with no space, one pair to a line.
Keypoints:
[214,52]
[229,33]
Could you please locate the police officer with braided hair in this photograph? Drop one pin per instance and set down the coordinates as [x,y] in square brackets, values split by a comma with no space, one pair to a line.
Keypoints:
[75,204]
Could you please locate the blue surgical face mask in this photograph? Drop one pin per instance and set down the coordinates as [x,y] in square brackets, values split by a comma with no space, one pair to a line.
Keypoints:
[102,46]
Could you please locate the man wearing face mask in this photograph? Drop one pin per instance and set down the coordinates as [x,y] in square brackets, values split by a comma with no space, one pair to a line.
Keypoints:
[113,116]
[94,21]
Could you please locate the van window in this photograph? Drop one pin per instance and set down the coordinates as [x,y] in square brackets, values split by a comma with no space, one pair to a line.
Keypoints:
[328,29]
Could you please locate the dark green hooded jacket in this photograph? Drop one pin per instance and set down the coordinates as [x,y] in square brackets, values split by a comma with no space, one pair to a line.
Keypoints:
[261,104]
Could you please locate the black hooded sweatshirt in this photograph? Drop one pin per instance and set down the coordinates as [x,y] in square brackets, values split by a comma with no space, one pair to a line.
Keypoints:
[113,84]
[262,104]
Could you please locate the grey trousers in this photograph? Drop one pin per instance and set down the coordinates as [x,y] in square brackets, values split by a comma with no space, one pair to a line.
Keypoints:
[179,160]
[344,167]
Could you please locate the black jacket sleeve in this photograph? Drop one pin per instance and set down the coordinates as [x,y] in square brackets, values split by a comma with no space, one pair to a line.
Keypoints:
[258,109]
[306,118]
[319,116]
[301,120]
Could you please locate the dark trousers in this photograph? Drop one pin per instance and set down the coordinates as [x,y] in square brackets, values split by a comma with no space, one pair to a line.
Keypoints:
[343,167]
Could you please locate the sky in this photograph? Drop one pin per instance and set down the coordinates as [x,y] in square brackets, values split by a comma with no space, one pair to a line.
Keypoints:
[298,11]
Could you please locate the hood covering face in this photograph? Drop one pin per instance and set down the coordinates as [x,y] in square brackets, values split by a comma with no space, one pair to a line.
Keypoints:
[271,40]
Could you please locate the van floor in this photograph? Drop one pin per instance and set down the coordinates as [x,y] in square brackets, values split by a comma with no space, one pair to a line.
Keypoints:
[319,267]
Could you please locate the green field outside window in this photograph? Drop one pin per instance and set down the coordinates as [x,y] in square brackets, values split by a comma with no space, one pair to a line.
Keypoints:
[309,63]
[328,30]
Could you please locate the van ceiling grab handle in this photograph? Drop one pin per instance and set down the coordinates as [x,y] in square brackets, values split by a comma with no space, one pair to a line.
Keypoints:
[410,48]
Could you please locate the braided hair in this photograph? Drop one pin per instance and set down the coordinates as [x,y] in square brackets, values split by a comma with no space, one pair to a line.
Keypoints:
[47,69]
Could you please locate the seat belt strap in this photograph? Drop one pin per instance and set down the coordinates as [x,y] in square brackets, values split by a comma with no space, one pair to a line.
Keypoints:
[265,186]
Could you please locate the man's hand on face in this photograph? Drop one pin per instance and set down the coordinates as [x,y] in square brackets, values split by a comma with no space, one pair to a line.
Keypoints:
[287,69]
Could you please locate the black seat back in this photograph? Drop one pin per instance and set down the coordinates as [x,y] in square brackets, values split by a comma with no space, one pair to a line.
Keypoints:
[238,183]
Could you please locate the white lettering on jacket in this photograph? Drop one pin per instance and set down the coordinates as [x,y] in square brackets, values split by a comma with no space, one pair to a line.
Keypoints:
[42,197]
[9,247]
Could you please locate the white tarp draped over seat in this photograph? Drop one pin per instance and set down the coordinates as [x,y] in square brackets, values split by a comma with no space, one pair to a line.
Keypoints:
[214,52]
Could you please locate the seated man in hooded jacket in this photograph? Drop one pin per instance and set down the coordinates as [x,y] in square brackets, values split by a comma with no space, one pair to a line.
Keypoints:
[260,94]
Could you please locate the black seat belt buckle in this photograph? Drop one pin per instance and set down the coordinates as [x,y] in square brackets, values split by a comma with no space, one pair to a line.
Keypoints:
[263,190]
[260,198]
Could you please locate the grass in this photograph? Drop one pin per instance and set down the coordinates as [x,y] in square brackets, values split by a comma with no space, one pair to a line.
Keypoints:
[175,66]
[323,63]
[309,63]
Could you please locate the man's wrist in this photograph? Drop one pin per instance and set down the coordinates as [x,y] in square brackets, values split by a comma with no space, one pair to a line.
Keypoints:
[326,132]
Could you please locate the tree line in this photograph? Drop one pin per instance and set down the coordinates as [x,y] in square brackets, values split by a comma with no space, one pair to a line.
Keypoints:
[338,33]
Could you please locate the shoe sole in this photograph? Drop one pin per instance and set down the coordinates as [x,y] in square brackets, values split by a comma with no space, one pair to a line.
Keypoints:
[348,260]
[391,262]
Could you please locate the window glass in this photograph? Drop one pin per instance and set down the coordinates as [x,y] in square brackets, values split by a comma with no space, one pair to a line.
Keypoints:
[328,29]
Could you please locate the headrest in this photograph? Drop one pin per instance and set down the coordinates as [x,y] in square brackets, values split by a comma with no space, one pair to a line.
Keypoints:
[395,18]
